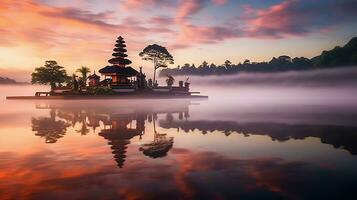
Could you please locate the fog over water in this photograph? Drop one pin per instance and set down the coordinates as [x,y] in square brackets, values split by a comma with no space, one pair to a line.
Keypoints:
[316,96]
[343,76]
[279,136]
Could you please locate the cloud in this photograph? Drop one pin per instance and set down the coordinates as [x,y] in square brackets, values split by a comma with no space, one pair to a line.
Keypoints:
[185,175]
[288,18]
[298,17]
[161,21]
[72,36]
[220,2]
[83,35]
[139,4]
[84,16]
[188,8]
[190,34]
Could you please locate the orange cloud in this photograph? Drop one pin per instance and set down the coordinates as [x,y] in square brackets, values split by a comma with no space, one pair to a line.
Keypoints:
[71,36]
[32,32]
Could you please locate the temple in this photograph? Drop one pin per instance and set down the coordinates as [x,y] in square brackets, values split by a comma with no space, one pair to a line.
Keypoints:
[120,81]
[118,75]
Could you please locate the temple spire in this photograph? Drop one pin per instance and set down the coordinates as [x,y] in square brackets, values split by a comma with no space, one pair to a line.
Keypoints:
[119,55]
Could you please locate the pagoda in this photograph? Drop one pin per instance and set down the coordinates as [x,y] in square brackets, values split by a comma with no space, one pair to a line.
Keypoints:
[118,72]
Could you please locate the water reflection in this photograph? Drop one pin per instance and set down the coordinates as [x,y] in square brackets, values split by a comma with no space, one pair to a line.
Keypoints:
[154,150]
[344,137]
[49,128]
[118,131]
[161,144]
[118,127]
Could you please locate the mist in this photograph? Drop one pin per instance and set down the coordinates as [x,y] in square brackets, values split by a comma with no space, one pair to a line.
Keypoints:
[343,76]
[310,97]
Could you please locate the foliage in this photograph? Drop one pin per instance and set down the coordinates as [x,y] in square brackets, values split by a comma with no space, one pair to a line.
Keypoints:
[339,56]
[170,80]
[51,73]
[158,55]
[150,83]
[84,71]
[100,90]
[75,83]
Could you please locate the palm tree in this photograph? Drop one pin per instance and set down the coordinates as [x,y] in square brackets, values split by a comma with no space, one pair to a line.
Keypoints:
[84,71]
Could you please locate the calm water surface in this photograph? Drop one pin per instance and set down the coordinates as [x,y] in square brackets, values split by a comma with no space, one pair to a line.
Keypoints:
[243,143]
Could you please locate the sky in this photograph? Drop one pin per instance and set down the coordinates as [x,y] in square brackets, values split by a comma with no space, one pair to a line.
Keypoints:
[82,32]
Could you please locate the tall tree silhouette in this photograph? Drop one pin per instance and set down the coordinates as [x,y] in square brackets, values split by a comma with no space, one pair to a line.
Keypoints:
[158,55]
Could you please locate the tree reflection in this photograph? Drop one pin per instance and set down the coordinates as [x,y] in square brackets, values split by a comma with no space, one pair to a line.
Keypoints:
[49,128]
[161,144]
[338,136]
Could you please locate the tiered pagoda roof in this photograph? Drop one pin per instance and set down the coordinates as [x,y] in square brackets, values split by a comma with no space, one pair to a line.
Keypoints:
[127,71]
[119,61]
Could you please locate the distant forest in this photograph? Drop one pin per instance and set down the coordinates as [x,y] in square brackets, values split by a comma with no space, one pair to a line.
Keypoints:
[339,56]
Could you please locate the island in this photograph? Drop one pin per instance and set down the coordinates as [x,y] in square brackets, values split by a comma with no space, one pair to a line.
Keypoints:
[120,80]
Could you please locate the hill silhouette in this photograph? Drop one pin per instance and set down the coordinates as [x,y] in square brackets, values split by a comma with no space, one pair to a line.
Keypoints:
[7,81]
[337,57]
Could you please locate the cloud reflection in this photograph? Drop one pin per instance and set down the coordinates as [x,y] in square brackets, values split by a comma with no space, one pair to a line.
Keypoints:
[87,172]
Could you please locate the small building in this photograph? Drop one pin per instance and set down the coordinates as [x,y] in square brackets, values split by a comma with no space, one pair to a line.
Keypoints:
[121,77]
[94,80]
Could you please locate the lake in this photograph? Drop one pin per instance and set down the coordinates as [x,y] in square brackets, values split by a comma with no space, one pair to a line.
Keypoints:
[244,142]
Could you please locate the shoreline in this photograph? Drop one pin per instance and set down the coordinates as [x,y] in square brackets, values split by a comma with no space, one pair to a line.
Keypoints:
[126,96]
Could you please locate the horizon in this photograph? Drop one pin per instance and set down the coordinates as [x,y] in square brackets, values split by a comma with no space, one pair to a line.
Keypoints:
[193,31]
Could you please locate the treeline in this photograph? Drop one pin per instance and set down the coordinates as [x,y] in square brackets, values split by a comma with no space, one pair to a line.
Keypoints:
[339,56]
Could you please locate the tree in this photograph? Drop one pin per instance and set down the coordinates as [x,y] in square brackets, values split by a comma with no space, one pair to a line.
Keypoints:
[51,73]
[84,71]
[246,61]
[158,55]
[204,64]
[227,64]
[170,80]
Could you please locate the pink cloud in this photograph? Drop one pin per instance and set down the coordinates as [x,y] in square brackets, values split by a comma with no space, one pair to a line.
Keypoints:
[297,17]
[188,8]
[220,2]
[161,21]
[140,4]
[190,34]
[42,30]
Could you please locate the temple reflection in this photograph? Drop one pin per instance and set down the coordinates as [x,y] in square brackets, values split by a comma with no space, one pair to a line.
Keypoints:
[118,125]
[118,130]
